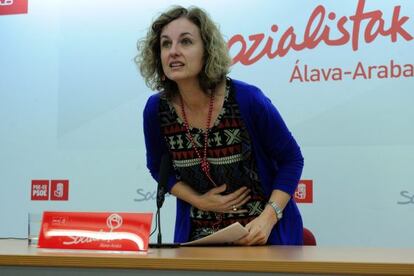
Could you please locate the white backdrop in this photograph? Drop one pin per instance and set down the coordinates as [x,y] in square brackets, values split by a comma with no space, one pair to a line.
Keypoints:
[71,104]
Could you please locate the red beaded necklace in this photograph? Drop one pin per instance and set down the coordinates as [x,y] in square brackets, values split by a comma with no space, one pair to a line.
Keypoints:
[205,166]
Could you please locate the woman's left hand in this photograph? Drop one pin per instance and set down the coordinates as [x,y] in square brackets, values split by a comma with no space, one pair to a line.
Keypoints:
[259,230]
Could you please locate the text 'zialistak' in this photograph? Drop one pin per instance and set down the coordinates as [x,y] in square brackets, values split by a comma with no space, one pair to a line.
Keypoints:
[318,30]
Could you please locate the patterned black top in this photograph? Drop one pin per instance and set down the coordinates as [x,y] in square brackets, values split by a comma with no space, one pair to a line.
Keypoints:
[231,161]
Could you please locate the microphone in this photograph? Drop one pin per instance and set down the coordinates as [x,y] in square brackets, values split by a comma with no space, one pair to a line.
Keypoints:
[161,191]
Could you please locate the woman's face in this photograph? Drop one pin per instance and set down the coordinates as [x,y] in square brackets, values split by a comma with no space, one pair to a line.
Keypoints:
[182,50]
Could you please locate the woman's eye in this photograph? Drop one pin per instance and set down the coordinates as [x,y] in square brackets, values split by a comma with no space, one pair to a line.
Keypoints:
[186,41]
[165,44]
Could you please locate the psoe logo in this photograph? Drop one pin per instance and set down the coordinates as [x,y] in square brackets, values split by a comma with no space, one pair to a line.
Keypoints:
[59,189]
[407,198]
[40,189]
[114,221]
[304,191]
[44,189]
[13,7]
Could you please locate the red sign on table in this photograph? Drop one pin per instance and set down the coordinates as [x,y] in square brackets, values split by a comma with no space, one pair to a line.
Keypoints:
[95,231]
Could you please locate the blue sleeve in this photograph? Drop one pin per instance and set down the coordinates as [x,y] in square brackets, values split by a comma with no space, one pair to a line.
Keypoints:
[277,142]
[154,142]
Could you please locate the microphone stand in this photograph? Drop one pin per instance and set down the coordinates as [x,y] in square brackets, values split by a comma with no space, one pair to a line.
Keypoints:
[159,236]
[161,191]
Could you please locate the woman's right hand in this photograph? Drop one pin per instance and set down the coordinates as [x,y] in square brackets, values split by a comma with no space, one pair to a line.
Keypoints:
[214,201]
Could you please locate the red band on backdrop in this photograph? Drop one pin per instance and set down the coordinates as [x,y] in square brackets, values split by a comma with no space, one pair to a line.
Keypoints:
[95,231]
[13,7]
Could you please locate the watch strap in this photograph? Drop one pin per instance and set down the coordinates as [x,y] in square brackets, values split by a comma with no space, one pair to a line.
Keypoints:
[276,208]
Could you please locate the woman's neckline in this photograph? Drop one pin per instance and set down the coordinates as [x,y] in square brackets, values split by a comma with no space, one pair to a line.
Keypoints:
[216,121]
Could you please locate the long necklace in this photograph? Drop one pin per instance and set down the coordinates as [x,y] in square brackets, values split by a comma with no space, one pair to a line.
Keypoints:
[205,165]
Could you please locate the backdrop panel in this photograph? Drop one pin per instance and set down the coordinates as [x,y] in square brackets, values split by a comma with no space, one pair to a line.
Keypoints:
[340,73]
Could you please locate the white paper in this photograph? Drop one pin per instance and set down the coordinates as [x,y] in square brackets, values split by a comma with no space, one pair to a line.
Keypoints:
[226,235]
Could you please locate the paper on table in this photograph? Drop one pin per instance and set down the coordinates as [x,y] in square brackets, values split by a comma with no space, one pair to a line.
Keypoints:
[226,235]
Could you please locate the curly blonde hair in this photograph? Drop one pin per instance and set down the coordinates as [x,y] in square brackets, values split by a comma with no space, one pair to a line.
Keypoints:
[217,60]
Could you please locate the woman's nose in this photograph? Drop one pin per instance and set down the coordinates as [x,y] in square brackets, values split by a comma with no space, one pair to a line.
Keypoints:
[174,50]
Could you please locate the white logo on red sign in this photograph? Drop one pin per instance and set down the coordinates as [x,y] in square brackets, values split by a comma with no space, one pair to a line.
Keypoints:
[59,190]
[40,190]
[304,192]
[114,221]
[6,2]
[43,189]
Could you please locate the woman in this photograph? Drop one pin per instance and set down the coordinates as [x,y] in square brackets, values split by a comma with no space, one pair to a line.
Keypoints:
[233,158]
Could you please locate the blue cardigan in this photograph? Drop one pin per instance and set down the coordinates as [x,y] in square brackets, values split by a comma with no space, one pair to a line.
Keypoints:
[278,158]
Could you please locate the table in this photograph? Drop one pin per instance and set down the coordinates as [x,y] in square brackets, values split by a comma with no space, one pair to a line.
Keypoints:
[16,258]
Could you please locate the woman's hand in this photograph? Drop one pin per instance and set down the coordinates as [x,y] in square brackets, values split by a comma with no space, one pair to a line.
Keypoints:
[214,201]
[259,229]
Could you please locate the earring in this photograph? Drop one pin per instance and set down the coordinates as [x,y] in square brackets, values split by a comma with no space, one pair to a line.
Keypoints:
[163,78]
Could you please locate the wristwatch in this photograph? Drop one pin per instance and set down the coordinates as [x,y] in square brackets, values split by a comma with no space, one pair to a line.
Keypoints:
[276,208]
